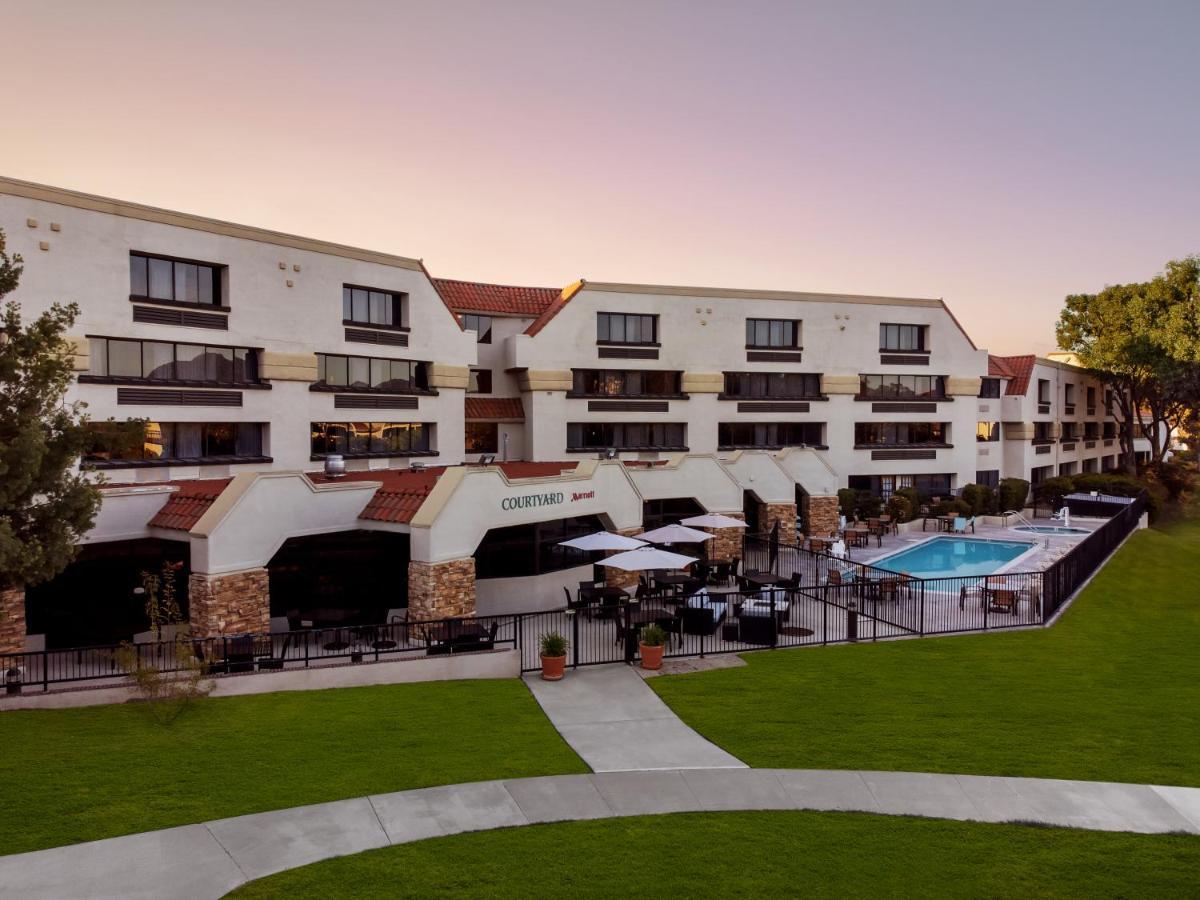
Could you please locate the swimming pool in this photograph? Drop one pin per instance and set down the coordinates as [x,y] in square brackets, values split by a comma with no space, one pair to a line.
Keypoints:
[952,557]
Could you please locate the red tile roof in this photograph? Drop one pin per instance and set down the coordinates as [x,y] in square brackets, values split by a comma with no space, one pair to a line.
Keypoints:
[184,508]
[497,299]
[492,409]
[401,494]
[1017,369]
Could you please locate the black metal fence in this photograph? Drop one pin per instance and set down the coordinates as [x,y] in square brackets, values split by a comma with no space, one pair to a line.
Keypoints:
[820,599]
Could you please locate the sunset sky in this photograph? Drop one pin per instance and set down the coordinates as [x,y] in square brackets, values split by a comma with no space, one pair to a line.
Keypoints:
[999,155]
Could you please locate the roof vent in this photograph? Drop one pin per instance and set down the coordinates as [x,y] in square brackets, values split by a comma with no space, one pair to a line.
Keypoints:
[335,466]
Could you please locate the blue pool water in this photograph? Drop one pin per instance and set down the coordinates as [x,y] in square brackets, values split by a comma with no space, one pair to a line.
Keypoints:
[952,557]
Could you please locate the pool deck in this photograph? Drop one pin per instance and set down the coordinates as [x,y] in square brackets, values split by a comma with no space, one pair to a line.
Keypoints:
[1049,548]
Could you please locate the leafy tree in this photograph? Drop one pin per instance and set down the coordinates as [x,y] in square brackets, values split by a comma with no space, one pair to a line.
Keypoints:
[45,505]
[1144,340]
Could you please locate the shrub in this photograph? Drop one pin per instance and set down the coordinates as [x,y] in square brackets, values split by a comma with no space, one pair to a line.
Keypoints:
[166,694]
[1109,483]
[981,500]
[900,508]
[913,497]
[953,505]
[847,497]
[552,644]
[653,636]
[1052,490]
[1013,492]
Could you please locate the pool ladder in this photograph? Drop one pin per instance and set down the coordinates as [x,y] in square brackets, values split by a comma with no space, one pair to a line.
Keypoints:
[1020,518]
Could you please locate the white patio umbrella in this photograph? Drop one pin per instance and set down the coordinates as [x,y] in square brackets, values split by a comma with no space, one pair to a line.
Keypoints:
[603,540]
[675,534]
[714,520]
[645,558]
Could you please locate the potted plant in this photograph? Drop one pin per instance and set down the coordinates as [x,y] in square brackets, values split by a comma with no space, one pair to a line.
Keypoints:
[554,655]
[651,642]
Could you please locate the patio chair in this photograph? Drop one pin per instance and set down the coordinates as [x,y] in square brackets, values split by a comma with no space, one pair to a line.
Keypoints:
[699,620]
[970,592]
[888,589]
[762,630]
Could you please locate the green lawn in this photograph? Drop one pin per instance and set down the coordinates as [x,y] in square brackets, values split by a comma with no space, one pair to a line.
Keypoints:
[81,774]
[758,854]
[1111,692]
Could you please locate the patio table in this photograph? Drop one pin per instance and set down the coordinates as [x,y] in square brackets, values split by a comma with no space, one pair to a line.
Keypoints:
[762,579]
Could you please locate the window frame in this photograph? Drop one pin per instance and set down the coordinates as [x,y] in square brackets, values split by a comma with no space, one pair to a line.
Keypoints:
[482,335]
[874,444]
[920,330]
[476,378]
[728,437]
[418,366]
[400,300]
[797,342]
[624,316]
[492,447]
[580,377]
[623,444]
[428,437]
[252,360]
[992,435]
[218,282]
[936,393]
[985,393]
[88,461]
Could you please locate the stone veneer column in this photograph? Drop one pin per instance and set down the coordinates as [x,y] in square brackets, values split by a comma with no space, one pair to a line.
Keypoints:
[822,516]
[727,542]
[12,620]
[784,514]
[441,590]
[619,577]
[233,603]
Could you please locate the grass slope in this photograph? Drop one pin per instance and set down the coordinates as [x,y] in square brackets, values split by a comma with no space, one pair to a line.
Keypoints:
[758,854]
[82,774]
[1111,692]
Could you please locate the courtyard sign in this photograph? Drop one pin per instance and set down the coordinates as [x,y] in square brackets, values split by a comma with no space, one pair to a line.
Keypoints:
[533,500]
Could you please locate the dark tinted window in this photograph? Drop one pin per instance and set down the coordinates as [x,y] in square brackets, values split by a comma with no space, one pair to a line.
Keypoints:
[156,278]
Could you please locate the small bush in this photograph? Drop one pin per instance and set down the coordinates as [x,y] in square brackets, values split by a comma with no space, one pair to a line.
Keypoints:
[901,508]
[166,693]
[913,497]
[981,500]
[552,644]
[1052,490]
[847,497]
[653,636]
[1013,492]
[952,506]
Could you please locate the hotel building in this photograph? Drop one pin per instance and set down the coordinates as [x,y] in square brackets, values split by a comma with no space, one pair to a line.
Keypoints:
[480,424]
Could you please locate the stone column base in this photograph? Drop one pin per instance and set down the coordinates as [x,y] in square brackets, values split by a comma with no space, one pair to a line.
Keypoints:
[234,603]
[619,577]
[12,620]
[822,516]
[442,590]
[727,542]
[784,514]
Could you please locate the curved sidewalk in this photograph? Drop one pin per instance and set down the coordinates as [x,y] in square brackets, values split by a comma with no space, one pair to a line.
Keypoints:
[207,861]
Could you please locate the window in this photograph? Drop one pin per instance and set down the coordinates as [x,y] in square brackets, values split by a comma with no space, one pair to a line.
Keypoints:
[1069,394]
[626,328]
[1091,466]
[883,486]
[902,337]
[899,434]
[174,280]
[1043,391]
[1068,431]
[165,361]
[902,387]
[987,431]
[482,437]
[988,478]
[989,388]
[627,436]
[772,333]
[1108,401]
[1091,400]
[121,442]
[371,306]
[773,385]
[769,434]
[481,382]
[1038,474]
[371,438]
[622,383]
[364,373]
[1091,431]
[1043,432]
[1110,430]
[524,550]
[1067,468]
[481,325]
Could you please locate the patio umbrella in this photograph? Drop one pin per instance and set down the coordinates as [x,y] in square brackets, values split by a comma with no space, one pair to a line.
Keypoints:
[603,540]
[645,558]
[713,520]
[676,534]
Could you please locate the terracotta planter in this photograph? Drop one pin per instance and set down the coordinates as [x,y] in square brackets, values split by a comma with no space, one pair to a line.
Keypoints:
[553,667]
[651,656]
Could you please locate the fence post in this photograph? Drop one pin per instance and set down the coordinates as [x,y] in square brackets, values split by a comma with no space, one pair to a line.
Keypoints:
[921,626]
[574,638]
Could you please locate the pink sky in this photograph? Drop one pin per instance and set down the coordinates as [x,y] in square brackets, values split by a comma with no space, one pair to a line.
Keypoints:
[997,155]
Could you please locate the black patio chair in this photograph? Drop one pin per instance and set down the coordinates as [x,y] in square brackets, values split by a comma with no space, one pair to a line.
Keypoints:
[762,630]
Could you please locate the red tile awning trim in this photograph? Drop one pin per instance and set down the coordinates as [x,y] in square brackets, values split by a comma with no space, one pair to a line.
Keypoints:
[494,409]
[496,299]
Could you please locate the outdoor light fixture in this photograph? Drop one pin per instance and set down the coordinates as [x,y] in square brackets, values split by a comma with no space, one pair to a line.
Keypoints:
[610,453]
[487,459]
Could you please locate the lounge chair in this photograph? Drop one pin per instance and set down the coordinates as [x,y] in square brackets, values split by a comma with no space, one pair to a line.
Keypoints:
[961,525]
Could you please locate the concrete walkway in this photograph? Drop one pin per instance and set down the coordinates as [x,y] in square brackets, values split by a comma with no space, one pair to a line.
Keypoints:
[616,723]
[207,861]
